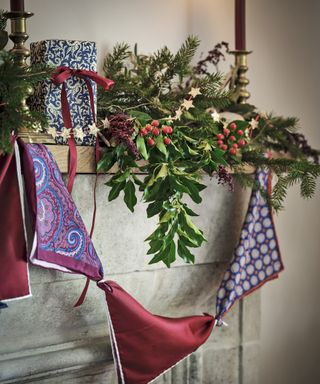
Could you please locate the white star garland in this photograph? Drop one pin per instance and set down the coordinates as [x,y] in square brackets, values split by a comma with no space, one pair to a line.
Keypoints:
[187,104]
[66,133]
[93,129]
[254,123]
[79,134]
[106,123]
[216,117]
[53,132]
[194,92]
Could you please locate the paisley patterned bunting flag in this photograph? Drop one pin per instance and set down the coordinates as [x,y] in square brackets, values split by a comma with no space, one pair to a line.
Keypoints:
[59,237]
[256,259]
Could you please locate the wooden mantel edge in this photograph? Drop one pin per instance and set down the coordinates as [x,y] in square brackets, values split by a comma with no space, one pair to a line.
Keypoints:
[86,159]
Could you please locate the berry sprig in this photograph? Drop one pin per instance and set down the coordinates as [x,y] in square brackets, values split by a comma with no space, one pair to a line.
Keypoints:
[155,129]
[232,139]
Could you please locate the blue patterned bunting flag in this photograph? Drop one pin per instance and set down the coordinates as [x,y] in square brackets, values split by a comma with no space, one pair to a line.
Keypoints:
[257,257]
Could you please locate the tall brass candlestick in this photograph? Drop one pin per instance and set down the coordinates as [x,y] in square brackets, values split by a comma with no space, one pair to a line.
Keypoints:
[19,35]
[241,81]
[21,53]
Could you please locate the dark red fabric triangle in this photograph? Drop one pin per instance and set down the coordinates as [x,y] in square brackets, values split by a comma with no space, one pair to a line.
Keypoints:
[146,345]
[14,281]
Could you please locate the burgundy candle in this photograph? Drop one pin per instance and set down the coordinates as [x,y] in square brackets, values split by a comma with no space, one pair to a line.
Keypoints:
[240,16]
[17,5]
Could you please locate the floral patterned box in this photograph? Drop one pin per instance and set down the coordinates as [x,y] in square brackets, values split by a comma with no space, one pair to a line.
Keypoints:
[47,97]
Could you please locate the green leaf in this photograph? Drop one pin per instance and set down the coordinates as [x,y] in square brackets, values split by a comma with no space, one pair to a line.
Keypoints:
[155,246]
[115,190]
[184,252]
[187,240]
[160,145]
[107,161]
[161,174]
[159,232]
[192,232]
[157,191]
[121,176]
[141,145]
[194,192]
[167,216]
[167,255]
[130,195]
[140,115]
[154,208]
[178,186]
[190,211]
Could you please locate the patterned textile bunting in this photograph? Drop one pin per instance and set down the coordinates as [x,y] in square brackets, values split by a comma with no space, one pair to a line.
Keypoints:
[144,345]
[256,259]
[59,237]
[14,277]
[147,345]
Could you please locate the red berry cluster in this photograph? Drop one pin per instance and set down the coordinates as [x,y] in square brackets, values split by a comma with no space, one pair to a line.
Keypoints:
[231,139]
[153,130]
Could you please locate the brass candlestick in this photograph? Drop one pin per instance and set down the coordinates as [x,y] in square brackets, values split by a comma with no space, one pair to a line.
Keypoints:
[241,81]
[19,36]
[21,53]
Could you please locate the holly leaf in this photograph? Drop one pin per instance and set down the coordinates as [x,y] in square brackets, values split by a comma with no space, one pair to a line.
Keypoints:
[130,195]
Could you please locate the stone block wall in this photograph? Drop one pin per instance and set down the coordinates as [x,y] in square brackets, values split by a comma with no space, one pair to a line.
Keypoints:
[45,340]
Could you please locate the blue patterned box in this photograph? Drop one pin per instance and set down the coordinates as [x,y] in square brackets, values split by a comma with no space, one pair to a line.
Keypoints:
[47,97]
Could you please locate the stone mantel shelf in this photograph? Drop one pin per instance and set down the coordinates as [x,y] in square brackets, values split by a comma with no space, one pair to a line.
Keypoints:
[86,159]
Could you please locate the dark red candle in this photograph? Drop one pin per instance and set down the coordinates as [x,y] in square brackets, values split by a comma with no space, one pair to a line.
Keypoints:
[17,5]
[240,16]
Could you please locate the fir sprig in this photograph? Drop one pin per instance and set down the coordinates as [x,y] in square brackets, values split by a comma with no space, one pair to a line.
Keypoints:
[15,85]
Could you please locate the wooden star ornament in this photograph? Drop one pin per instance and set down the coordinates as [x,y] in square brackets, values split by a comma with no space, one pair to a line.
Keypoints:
[93,129]
[79,134]
[195,92]
[187,104]
[216,117]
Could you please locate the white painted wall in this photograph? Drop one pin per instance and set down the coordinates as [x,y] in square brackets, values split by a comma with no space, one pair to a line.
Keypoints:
[284,37]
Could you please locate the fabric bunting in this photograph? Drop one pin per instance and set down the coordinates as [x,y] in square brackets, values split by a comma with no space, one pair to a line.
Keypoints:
[14,276]
[257,258]
[147,345]
[59,237]
[144,345]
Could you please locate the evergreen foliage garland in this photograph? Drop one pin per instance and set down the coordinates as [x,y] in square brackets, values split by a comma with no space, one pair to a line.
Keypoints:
[15,85]
[168,111]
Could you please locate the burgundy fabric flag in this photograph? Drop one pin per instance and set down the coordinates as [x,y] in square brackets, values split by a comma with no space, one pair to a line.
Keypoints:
[146,345]
[59,237]
[257,258]
[14,279]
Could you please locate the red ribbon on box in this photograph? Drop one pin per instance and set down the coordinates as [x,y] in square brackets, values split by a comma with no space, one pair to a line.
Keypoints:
[60,76]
